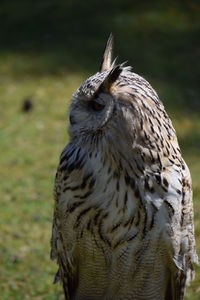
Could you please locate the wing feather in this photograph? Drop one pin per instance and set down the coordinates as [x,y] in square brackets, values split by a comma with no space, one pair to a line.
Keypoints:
[187,256]
[67,270]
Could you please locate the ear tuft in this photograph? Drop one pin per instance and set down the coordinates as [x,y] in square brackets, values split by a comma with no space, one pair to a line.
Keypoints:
[106,63]
[112,76]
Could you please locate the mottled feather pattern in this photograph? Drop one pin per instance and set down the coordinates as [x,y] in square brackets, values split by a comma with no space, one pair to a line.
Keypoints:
[123,217]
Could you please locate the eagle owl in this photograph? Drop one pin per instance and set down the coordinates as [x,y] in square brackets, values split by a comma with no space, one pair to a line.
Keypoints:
[123,217]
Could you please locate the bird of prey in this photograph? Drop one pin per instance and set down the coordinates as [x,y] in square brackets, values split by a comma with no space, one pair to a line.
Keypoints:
[123,217]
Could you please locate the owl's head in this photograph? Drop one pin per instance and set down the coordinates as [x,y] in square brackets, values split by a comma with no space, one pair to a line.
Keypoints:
[114,104]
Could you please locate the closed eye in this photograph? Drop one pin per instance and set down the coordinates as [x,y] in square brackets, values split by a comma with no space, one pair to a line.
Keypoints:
[96,106]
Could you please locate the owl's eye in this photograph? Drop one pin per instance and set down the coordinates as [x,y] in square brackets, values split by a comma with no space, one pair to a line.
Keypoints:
[96,106]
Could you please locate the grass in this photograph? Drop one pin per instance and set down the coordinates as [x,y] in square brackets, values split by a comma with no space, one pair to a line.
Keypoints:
[46,51]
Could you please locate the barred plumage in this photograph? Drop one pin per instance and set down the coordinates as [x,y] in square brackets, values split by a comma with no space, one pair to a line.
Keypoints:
[123,219]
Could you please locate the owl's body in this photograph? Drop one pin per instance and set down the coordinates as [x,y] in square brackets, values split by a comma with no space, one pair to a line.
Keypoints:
[123,219]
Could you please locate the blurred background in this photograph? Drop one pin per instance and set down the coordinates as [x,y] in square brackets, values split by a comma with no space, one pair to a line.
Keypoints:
[47,48]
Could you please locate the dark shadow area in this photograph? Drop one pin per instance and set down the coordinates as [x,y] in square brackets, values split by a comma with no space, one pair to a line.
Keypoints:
[160,39]
[190,144]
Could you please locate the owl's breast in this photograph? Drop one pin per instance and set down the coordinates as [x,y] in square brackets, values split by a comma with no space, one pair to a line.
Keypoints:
[106,227]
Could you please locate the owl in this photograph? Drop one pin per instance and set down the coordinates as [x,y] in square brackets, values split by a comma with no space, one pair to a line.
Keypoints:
[123,217]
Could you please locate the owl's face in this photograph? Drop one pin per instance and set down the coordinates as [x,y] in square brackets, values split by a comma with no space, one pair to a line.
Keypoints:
[96,110]
[90,111]
[114,103]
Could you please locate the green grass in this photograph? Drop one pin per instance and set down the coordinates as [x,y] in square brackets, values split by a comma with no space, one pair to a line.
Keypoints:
[46,51]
